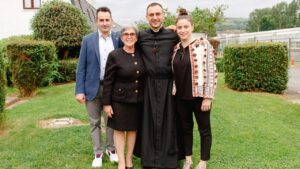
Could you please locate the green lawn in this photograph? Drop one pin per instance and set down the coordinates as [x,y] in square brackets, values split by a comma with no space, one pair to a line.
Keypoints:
[250,130]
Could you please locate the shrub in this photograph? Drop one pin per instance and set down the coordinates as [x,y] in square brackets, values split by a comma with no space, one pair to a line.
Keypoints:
[61,23]
[53,73]
[2,84]
[220,64]
[3,54]
[32,62]
[67,70]
[2,91]
[256,66]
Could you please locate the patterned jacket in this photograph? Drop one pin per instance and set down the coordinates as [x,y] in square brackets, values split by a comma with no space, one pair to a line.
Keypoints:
[203,68]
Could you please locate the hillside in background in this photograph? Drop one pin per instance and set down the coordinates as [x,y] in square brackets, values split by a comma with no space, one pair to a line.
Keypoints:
[232,24]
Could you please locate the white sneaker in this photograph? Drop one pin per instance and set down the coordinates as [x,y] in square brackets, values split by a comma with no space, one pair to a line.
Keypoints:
[113,157]
[97,162]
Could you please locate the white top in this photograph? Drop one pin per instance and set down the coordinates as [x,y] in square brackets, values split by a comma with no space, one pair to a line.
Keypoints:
[105,47]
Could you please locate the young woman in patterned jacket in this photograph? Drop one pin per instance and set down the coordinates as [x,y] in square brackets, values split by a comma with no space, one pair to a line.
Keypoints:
[195,80]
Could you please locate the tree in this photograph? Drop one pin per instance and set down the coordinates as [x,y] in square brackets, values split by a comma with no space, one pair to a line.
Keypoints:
[292,13]
[280,16]
[205,19]
[141,25]
[61,23]
[260,20]
[170,19]
[266,23]
[253,24]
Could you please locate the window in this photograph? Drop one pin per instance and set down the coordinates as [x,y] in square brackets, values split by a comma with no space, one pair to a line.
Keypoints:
[31,4]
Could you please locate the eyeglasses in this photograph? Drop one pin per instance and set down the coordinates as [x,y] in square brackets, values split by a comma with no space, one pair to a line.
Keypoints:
[129,34]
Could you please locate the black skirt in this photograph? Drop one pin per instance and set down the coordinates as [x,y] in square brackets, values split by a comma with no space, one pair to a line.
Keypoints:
[125,117]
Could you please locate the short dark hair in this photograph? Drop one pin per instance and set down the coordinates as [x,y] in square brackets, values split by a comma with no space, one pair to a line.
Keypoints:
[103,9]
[154,4]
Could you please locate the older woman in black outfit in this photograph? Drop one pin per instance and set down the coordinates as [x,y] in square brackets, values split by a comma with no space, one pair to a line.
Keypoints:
[123,94]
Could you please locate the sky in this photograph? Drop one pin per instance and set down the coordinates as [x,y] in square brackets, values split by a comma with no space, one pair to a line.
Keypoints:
[126,12]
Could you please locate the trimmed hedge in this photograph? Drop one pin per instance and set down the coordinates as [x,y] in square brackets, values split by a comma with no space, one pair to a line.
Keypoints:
[32,62]
[2,92]
[3,54]
[220,64]
[67,70]
[2,86]
[256,66]
[61,23]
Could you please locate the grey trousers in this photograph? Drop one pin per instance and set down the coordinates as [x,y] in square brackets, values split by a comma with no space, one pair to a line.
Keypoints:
[94,109]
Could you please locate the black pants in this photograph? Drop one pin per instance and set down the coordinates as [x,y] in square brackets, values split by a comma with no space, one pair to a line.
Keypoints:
[185,110]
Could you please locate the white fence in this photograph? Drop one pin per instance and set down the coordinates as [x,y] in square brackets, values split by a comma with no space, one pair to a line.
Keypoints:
[289,36]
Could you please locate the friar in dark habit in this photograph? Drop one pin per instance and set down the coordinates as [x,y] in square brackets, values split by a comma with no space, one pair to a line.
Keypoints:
[157,143]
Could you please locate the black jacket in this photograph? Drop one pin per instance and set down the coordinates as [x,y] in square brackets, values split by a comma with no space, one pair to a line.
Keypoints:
[124,78]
